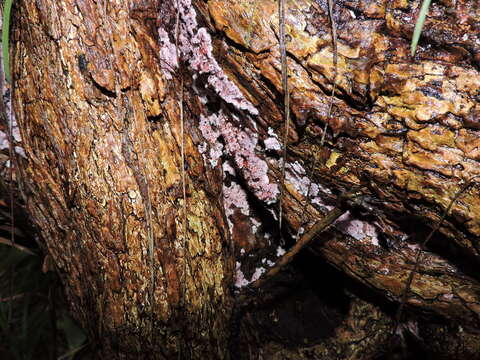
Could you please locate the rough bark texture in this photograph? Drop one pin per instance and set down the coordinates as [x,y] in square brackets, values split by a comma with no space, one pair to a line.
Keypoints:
[406,128]
[96,98]
[101,132]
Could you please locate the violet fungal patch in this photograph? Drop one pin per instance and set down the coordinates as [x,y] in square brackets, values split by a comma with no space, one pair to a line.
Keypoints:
[240,146]
[241,281]
[358,229]
[168,54]
[4,137]
[196,50]
[272,142]
[347,224]
[195,44]
[234,197]
[296,175]
[12,121]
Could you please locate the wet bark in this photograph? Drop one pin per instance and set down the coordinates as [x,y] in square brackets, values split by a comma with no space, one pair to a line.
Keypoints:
[100,127]
[97,100]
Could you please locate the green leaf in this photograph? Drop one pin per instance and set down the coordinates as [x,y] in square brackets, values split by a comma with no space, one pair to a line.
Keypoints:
[7,7]
[419,25]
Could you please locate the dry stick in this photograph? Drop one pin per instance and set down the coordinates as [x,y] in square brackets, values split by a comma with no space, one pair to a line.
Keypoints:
[250,25]
[286,102]
[182,139]
[418,256]
[182,118]
[306,239]
[151,245]
[333,27]
[16,246]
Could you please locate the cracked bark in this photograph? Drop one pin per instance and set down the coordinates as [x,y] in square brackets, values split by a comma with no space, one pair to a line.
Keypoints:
[100,127]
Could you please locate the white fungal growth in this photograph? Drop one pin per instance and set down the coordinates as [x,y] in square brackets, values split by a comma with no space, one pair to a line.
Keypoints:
[240,145]
[234,197]
[357,229]
[258,273]
[272,142]
[168,54]
[296,175]
[241,281]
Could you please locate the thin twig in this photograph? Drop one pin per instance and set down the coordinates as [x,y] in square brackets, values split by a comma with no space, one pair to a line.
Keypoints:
[345,200]
[306,239]
[248,39]
[286,103]
[418,256]
[333,28]
[72,352]
[182,138]
[15,245]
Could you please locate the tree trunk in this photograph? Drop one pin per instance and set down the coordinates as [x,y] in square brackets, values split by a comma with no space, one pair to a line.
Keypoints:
[98,99]
[104,175]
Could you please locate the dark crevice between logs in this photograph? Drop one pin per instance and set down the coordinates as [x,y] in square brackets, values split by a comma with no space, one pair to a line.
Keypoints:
[329,277]
[460,257]
[295,307]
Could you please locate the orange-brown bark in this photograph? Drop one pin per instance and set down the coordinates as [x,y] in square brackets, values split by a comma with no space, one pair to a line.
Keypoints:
[403,127]
[101,132]
[96,98]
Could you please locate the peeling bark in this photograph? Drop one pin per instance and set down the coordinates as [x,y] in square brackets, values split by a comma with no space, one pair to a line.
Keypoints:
[96,98]
[400,128]
[99,123]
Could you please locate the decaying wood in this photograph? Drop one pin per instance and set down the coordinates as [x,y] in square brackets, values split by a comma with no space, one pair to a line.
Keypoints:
[286,103]
[418,256]
[97,103]
[401,127]
[362,335]
[100,127]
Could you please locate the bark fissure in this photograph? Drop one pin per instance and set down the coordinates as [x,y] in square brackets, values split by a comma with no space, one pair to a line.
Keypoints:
[111,168]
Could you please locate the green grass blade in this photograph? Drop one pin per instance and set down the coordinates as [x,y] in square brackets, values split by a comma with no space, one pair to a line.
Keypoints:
[419,25]
[7,7]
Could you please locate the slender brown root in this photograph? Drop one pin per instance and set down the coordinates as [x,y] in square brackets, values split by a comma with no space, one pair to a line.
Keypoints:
[333,26]
[305,240]
[286,108]
[182,140]
[346,200]
[418,257]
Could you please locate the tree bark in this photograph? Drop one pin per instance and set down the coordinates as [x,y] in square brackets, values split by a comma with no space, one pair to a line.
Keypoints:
[101,130]
[97,97]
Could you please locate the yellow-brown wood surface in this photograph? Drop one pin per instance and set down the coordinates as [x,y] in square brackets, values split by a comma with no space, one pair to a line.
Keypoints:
[102,135]
[97,100]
